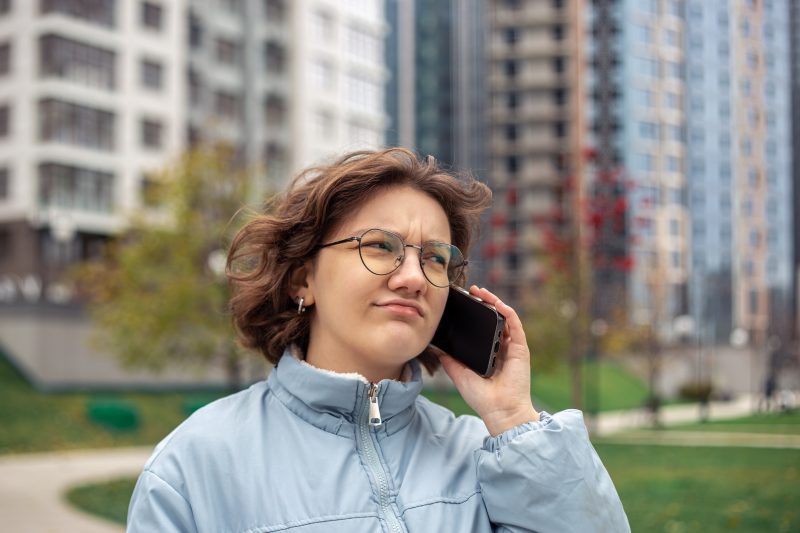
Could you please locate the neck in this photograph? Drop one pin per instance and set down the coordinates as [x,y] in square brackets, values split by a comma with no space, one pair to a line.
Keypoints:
[345,363]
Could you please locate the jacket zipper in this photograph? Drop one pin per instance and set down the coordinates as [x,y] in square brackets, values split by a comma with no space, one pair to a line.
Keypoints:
[372,419]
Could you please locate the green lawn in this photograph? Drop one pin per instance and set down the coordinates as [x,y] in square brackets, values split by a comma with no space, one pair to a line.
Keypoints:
[36,421]
[618,388]
[787,423]
[108,500]
[706,490]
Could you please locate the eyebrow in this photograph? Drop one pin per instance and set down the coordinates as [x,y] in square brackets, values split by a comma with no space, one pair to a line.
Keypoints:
[359,231]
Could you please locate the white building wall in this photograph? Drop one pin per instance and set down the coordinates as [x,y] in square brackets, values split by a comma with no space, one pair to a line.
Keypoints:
[338,77]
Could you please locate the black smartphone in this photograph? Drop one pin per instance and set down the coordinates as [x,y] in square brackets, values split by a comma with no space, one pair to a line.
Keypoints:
[470,331]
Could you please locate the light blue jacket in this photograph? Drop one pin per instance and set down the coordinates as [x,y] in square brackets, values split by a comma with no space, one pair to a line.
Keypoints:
[297,454]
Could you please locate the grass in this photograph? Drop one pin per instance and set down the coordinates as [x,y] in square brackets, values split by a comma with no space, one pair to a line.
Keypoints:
[618,388]
[708,490]
[36,421]
[787,423]
[108,500]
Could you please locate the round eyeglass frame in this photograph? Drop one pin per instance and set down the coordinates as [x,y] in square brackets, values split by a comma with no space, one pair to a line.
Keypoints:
[458,269]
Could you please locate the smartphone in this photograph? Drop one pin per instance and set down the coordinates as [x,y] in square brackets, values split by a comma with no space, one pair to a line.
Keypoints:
[470,331]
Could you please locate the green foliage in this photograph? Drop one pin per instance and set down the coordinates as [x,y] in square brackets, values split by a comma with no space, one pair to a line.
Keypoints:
[108,500]
[548,324]
[159,296]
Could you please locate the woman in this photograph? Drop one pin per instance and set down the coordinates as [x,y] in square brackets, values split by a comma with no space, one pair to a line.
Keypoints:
[342,287]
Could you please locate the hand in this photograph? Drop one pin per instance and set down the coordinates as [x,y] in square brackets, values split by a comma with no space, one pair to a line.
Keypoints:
[503,401]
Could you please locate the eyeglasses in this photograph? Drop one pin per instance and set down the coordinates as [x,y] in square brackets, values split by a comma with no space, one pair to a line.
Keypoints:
[382,253]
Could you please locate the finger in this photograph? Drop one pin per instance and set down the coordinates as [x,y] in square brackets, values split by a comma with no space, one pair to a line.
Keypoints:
[454,368]
[514,324]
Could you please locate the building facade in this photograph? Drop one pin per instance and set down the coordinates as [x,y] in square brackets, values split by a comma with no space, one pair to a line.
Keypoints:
[536,124]
[98,95]
[739,167]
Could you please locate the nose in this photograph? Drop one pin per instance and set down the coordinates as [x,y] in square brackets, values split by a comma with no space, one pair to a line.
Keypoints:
[409,274]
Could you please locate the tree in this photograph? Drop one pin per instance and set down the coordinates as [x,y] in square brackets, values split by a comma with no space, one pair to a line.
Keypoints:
[160,294]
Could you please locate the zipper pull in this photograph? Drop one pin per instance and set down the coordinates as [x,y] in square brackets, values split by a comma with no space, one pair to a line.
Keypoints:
[374,409]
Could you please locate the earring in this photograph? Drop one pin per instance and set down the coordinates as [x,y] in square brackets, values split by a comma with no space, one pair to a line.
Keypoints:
[300,307]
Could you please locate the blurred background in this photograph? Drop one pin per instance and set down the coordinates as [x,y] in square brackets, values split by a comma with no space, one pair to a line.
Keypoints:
[645,217]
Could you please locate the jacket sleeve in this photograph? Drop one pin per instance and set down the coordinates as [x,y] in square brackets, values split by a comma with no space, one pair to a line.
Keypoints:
[546,477]
[157,506]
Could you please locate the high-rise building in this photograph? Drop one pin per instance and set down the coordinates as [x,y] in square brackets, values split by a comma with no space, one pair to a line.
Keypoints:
[92,99]
[739,167]
[536,76]
[638,134]
[437,93]
[794,21]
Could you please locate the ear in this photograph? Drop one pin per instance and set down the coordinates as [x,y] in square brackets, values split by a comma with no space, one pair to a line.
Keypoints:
[301,283]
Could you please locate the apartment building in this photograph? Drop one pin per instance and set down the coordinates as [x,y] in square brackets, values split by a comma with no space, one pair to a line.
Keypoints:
[91,99]
[95,95]
[536,125]
[739,167]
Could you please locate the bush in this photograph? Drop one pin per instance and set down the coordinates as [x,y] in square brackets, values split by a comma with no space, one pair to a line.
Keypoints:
[698,391]
[116,415]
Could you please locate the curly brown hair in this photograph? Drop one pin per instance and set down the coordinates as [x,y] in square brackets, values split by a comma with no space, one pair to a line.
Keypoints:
[269,248]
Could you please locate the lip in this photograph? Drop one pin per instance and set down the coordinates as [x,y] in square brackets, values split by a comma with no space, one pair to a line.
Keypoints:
[402,307]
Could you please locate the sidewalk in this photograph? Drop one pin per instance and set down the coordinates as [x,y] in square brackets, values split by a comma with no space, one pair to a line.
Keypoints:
[615,421]
[32,488]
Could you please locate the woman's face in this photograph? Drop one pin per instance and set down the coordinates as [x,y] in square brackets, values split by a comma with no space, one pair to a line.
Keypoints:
[364,322]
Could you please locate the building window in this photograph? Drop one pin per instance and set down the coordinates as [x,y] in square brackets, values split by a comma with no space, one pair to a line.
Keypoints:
[511,132]
[322,24]
[558,32]
[95,11]
[228,52]
[4,186]
[275,10]
[228,105]
[323,124]
[75,188]
[275,110]
[648,130]
[75,61]
[512,100]
[152,131]
[5,118]
[151,15]
[510,68]
[753,302]
[276,158]
[76,124]
[321,74]
[511,35]
[274,57]
[5,58]
[512,164]
[5,6]
[363,93]
[674,227]
[195,32]
[558,64]
[152,74]
[364,45]
[195,87]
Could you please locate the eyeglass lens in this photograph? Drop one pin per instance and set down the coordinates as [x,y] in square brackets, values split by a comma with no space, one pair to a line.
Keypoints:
[382,252]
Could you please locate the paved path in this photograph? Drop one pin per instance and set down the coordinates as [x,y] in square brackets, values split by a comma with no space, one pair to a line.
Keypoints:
[32,488]
[706,438]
